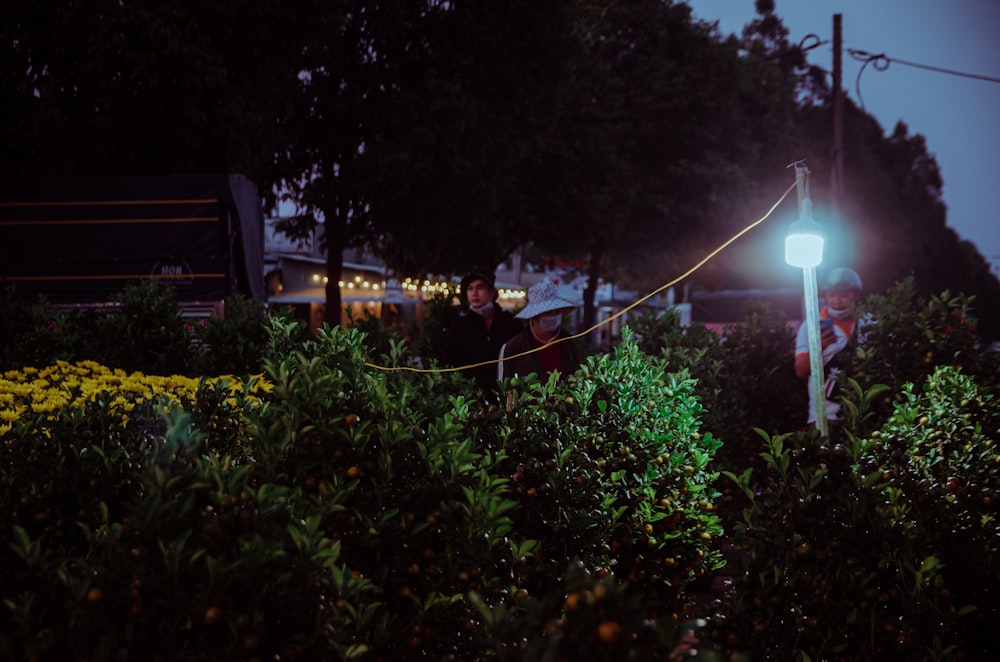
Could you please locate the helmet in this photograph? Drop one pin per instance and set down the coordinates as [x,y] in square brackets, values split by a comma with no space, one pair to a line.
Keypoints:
[841,279]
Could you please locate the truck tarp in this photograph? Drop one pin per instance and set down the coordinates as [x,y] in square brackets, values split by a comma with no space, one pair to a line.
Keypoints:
[82,239]
[729,306]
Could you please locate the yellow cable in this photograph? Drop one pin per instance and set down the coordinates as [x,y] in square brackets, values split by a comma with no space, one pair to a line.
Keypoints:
[621,312]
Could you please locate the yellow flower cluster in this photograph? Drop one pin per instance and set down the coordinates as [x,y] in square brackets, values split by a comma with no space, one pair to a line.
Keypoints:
[65,387]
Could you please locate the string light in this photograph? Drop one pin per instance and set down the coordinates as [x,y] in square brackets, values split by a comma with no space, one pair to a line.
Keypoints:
[426,287]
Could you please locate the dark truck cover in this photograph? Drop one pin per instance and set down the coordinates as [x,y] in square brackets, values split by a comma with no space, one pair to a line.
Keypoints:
[729,306]
[82,239]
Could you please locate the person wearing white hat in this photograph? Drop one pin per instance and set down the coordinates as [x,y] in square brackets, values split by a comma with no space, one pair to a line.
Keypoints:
[536,350]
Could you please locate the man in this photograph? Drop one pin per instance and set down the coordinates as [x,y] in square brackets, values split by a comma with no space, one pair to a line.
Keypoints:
[480,329]
[838,327]
[535,350]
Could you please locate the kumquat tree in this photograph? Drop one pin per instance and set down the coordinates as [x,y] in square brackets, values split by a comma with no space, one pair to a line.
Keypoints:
[343,503]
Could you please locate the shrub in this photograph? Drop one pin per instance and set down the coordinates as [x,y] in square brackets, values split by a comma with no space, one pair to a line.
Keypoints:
[611,474]
[594,618]
[143,331]
[825,573]
[938,454]
[122,530]
[906,338]
[884,547]
[358,510]
[745,377]
[40,334]
[463,513]
[411,500]
[236,342]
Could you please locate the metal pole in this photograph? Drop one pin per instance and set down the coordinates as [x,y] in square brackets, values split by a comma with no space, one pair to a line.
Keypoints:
[809,285]
[815,349]
[837,189]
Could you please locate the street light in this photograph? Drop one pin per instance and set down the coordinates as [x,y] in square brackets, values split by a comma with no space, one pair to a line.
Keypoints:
[804,249]
[804,243]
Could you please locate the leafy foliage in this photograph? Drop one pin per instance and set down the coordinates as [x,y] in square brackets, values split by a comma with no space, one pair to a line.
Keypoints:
[737,373]
[40,334]
[906,337]
[354,511]
[616,470]
[166,89]
[941,469]
[826,574]
[145,331]
[141,330]
[349,505]
[233,343]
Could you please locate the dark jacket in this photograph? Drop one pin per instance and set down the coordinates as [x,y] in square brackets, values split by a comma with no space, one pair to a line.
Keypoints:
[467,342]
[531,363]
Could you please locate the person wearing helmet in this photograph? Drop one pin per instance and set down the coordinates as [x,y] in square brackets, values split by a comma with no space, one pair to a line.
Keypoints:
[838,321]
[480,329]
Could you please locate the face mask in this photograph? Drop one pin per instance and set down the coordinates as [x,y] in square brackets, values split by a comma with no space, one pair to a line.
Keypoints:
[481,310]
[549,324]
[841,315]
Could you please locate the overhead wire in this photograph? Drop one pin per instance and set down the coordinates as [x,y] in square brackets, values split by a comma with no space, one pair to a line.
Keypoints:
[613,317]
[881,62]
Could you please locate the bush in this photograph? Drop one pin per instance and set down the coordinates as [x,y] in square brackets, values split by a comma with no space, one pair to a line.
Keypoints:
[122,530]
[41,334]
[825,573]
[906,338]
[233,344]
[613,470]
[358,510]
[745,377]
[368,507]
[940,463]
[143,331]
[884,547]
[140,330]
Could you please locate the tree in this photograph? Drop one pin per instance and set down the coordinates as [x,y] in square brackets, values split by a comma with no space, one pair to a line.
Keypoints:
[468,107]
[649,130]
[109,87]
[898,217]
[346,71]
[441,134]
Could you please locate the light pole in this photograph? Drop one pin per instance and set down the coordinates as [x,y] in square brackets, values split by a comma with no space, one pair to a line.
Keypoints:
[804,248]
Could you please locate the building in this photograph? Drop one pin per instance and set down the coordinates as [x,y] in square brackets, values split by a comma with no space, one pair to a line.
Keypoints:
[295,273]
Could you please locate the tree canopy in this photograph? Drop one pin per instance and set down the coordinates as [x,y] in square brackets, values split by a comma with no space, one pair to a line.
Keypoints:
[631,137]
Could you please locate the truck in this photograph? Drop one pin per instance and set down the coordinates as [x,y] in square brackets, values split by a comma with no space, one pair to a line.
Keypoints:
[81,240]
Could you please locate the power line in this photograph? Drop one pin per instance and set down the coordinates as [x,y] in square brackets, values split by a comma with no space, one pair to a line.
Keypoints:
[581,334]
[881,62]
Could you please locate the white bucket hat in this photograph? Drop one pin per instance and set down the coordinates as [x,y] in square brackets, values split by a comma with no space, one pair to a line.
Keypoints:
[543,297]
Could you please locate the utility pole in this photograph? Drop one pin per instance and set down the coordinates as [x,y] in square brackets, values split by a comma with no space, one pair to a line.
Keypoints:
[837,172]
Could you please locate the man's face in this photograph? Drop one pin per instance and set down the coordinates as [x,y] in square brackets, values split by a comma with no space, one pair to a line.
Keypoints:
[479,293]
[841,300]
